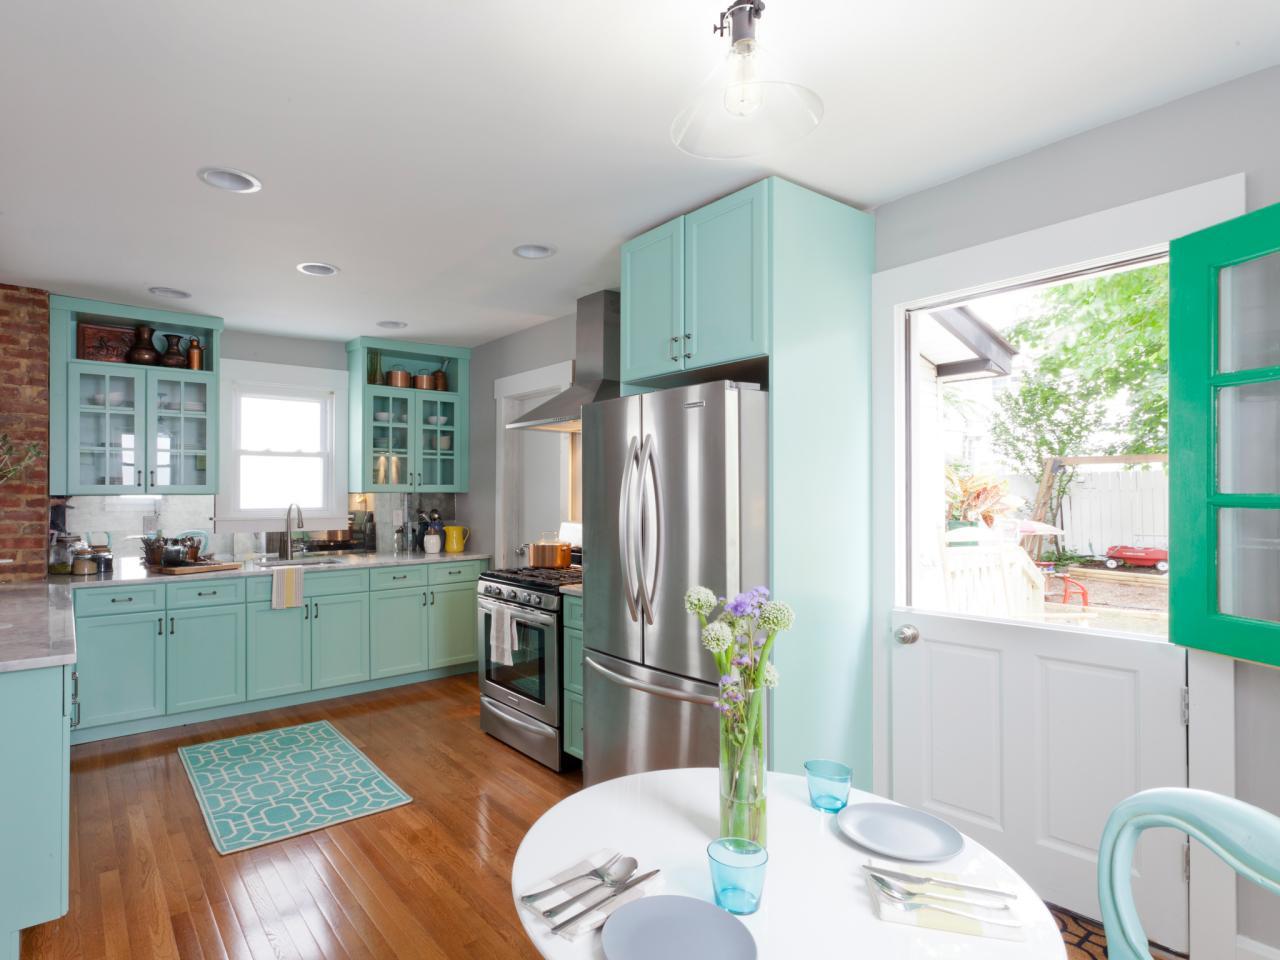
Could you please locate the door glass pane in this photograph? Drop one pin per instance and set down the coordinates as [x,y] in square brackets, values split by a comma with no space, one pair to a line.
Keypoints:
[1248,463]
[1249,563]
[1249,314]
[527,674]
[181,441]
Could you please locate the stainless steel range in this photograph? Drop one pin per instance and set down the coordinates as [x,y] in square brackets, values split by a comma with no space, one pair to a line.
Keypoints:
[520,670]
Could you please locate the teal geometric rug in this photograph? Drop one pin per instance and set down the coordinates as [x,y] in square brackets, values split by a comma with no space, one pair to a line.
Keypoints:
[267,786]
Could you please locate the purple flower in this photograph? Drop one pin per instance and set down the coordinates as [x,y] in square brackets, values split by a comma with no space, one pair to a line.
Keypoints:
[748,604]
[759,642]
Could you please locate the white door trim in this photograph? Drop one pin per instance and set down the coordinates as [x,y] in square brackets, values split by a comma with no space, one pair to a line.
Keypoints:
[507,391]
[1145,226]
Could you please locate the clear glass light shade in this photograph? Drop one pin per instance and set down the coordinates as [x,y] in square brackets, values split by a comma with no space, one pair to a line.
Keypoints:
[745,107]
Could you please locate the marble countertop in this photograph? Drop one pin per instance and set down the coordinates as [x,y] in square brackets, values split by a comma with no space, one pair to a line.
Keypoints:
[37,620]
[37,626]
[572,589]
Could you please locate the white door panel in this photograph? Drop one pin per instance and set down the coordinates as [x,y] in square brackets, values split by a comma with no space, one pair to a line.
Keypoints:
[1025,737]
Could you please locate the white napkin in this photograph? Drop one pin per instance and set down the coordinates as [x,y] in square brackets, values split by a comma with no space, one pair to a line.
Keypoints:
[595,919]
[893,912]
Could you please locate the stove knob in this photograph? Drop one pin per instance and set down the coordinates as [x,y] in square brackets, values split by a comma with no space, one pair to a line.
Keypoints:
[511,594]
[525,598]
[536,600]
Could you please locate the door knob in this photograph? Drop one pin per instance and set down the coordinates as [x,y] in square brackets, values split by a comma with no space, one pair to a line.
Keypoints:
[906,634]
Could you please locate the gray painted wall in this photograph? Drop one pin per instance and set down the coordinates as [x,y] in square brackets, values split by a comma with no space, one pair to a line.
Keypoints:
[1226,129]
[547,343]
[1220,131]
[298,351]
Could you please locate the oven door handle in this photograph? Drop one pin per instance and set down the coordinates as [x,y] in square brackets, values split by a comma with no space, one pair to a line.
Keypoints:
[653,688]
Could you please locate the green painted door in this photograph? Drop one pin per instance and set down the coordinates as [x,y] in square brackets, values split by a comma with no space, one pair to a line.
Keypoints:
[726,294]
[206,657]
[573,713]
[451,611]
[339,640]
[440,442]
[182,431]
[121,663]
[105,426]
[388,431]
[653,302]
[1224,418]
[279,650]
[398,631]
[573,660]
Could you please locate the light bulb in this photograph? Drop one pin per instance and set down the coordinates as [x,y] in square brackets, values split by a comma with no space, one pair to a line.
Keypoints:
[742,93]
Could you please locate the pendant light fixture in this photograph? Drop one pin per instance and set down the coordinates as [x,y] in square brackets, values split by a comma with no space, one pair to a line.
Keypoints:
[746,106]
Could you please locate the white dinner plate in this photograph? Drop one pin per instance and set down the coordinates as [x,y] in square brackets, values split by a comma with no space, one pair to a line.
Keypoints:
[899,833]
[675,928]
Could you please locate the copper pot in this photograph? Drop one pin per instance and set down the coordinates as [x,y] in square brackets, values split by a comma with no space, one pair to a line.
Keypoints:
[398,377]
[556,554]
[423,380]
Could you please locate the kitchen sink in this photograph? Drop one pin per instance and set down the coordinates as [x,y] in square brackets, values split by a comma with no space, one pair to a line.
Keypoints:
[302,562]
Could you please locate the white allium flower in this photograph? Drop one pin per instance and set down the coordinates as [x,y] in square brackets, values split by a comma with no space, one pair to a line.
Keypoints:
[769,677]
[700,600]
[717,637]
[776,616]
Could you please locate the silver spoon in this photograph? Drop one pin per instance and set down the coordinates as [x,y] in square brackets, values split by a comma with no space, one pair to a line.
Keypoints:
[614,876]
[597,873]
[910,904]
[907,893]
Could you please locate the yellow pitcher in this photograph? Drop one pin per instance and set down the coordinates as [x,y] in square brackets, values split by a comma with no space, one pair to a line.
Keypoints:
[455,538]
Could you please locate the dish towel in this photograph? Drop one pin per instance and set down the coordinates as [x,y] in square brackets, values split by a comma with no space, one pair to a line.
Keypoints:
[286,588]
[893,912]
[502,639]
[594,920]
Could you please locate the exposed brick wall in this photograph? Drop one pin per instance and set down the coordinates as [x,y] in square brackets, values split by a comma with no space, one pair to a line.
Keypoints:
[24,415]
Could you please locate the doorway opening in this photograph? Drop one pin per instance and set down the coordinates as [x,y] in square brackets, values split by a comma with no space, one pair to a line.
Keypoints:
[1038,452]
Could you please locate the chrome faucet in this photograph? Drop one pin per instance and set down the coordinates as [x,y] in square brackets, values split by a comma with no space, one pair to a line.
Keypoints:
[288,535]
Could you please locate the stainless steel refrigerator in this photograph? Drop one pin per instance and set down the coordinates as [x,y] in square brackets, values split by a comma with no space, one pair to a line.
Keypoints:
[676,495]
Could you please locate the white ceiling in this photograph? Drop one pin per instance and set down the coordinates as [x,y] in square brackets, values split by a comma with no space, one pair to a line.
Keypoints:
[415,142]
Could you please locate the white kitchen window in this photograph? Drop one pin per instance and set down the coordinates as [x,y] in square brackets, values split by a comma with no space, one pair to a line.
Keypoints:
[284,441]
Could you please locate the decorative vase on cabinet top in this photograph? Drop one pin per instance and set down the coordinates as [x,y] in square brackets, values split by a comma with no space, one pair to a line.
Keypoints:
[144,349]
[173,357]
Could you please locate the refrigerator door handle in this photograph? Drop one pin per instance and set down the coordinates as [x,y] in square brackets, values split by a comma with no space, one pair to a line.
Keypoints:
[649,470]
[625,529]
[653,688]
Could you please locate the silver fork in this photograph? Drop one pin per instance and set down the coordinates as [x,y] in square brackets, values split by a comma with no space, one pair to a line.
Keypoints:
[597,873]
[912,904]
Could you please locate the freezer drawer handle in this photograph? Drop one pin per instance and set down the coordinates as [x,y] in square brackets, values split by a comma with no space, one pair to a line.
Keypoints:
[653,688]
[509,714]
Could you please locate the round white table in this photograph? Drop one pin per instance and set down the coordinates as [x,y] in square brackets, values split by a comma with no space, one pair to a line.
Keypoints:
[814,897]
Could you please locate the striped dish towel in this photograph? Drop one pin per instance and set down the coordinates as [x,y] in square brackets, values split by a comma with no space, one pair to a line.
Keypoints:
[286,588]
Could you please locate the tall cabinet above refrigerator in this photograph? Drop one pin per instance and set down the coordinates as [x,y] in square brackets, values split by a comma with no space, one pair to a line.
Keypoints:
[676,495]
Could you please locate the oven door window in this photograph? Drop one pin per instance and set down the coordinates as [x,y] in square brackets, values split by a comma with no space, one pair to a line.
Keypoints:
[527,674]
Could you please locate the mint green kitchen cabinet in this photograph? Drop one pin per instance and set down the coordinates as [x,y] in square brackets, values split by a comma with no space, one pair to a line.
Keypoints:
[653,302]
[451,614]
[726,248]
[123,428]
[401,439]
[339,640]
[572,689]
[35,711]
[206,657]
[573,713]
[398,635]
[121,663]
[278,646]
[573,660]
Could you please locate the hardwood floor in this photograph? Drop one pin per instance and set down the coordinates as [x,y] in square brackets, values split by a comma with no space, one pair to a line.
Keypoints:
[429,879]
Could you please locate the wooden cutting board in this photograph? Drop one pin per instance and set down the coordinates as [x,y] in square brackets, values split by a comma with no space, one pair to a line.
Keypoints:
[197,568]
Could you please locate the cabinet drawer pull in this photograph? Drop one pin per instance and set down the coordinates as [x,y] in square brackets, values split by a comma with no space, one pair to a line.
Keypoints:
[153,478]
[75,685]
[403,576]
[138,480]
[675,339]
[424,598]
[316,614]
[206,593]
[122,599]
[433,598]
[688,356]
[159,626]
[172,626]
[454,573]
[306,611]
[688,336]
[75,714]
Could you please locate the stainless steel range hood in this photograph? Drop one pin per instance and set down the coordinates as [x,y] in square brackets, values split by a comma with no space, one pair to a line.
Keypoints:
[595,368]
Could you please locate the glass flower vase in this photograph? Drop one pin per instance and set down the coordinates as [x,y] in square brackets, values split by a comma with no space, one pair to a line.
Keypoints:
[743,725]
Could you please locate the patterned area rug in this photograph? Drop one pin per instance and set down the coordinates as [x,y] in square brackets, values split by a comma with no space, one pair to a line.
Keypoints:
[267,786]
[1086,940]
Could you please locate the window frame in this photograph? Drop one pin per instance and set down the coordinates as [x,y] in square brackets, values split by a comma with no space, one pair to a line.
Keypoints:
[242,378]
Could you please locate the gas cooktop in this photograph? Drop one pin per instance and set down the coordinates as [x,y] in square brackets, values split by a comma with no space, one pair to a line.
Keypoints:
[536,578]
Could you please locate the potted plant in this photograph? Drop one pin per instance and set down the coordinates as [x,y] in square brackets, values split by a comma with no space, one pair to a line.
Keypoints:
[16,457]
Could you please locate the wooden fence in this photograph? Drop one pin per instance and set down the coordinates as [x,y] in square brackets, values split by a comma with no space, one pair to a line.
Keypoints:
[1116,507]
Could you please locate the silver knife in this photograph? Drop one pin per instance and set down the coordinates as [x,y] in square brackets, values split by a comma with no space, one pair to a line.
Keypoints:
[600,903]
[954,884]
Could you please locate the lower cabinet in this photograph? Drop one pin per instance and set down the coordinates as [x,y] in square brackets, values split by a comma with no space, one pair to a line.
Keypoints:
[573,724]
[279,650]
[451,630]
[121,662]
[206,657]
[35,711]
[397,631]
[339,640]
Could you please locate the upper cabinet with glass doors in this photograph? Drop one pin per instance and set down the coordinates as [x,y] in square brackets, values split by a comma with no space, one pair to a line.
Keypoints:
[408,439]
[117,427]
[1224,438]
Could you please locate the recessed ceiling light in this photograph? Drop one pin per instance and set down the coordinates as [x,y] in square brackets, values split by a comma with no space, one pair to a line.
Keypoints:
[392,324]
[316,269]
[225,178]
[534,251]
[173,293]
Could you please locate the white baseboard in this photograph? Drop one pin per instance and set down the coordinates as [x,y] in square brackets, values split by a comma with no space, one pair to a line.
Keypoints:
[1247,949]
